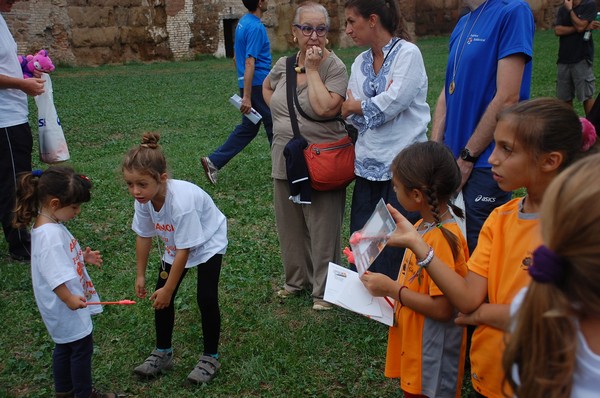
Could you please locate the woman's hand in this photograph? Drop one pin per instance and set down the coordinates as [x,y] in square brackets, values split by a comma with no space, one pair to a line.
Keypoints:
[324,103]
[314,57]
[351,106]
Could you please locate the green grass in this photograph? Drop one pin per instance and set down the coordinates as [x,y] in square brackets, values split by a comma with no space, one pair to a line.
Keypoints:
[269,348]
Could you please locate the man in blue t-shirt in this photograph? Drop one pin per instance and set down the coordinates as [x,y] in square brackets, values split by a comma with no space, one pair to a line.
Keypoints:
[574,23]
[253,62]
[489,68]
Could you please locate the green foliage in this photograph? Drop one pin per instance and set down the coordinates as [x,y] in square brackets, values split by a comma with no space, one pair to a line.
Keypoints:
[269,347]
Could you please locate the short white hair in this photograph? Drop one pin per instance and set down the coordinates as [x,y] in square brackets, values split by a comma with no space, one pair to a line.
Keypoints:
[311,6]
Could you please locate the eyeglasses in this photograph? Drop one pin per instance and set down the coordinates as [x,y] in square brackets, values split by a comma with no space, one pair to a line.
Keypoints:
[308,30]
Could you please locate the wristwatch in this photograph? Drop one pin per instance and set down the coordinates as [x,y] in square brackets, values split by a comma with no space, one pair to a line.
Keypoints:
[465,155]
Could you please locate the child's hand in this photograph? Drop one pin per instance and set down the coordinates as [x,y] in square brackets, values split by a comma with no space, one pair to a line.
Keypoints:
[92,257]
[349,255]
[379,285]
[467,319]
[405,234]
[75,302]
[161,298]
[140,286]
[494,315]
[355,238]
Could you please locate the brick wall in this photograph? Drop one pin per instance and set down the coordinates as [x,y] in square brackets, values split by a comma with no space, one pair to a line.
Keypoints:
[95,32]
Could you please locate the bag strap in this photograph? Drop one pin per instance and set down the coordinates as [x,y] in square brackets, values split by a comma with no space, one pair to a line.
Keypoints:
[291,88]
[305,115]
[292,97]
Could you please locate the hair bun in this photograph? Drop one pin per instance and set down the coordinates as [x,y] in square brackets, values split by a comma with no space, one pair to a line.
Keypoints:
[150,140]
[589,134]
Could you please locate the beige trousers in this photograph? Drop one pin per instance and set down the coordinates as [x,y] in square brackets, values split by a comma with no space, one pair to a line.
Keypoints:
[309,236]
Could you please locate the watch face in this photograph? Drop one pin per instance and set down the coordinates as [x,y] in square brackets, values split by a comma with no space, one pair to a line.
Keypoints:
[466,155]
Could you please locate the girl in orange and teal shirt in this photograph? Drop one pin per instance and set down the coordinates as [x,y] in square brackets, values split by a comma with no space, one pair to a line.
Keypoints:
[426,349]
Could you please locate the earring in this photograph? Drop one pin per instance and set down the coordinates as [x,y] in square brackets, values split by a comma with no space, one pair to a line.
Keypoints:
[295,39]
[326,41]
[372,26]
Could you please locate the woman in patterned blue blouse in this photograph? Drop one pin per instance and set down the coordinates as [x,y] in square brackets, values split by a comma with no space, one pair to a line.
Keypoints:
[386,101]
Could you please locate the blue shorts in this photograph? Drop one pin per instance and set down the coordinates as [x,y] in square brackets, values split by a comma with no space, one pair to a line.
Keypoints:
[482,195]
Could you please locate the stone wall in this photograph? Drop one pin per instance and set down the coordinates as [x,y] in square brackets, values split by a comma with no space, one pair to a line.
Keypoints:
[95,32]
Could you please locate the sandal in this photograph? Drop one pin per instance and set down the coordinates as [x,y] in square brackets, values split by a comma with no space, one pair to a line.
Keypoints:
[205,370]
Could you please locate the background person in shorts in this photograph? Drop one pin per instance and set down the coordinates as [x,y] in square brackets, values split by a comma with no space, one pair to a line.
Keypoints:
[575,53]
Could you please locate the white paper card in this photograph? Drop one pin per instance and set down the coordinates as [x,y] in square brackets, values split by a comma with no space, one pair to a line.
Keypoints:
[344,289]
[254,116]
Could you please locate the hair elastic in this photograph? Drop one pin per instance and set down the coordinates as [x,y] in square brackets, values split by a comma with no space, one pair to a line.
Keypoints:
[589,134]
[36,173]
[84,177]
[547,266]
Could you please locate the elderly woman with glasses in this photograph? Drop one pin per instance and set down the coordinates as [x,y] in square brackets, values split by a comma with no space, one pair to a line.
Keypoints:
[309,223]
[386,102]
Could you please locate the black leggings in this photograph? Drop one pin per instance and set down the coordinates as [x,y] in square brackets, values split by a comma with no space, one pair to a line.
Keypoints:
[207,296]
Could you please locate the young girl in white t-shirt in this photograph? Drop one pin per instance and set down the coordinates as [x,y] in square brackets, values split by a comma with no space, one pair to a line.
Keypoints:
[193,232]
[61,284]
[554,348]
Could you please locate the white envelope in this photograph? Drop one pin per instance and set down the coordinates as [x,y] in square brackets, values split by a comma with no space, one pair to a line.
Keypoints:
[344,289]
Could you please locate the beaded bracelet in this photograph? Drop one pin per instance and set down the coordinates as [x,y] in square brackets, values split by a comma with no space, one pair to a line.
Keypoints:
[427,260]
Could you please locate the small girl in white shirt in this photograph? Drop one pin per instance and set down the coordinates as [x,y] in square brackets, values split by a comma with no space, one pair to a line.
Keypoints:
[194,235]
[61,283]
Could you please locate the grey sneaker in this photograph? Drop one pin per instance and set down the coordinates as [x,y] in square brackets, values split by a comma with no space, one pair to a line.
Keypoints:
[205,370]
[158,362]
[284,293]
[322,305]
[210,170]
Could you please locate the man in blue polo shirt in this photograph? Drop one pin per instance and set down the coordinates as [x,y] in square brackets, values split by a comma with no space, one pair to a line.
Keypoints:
[253,62]
[489,68]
